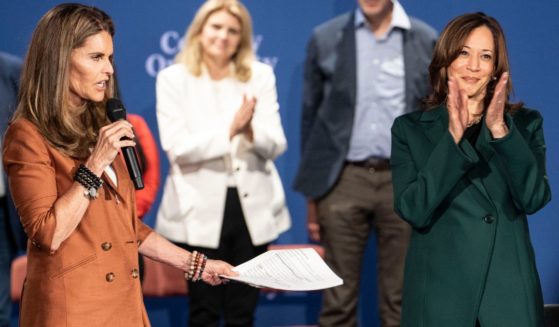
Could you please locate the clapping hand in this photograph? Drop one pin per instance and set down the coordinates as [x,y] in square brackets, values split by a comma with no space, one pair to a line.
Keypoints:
[243,118]
[495,116]
[457,103]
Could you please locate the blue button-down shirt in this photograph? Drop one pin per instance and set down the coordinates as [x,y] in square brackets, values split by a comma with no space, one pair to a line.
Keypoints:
[380,85]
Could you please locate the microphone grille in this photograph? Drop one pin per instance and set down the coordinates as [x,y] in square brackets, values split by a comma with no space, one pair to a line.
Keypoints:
[115,110]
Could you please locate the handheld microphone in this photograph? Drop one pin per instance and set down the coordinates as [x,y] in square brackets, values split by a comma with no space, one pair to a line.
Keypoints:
[116,112]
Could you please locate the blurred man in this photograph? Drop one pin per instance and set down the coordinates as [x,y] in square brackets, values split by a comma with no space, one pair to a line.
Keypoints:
[11,233]
[363,69]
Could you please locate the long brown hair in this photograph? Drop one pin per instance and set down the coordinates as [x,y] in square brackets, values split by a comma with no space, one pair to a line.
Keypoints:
[191,52]
[448,48]
[44,88]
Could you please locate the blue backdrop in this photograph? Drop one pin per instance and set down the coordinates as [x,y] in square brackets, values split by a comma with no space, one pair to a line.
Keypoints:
[149,32]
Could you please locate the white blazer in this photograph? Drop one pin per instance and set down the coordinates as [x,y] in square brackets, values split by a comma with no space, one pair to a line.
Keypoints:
[194,115]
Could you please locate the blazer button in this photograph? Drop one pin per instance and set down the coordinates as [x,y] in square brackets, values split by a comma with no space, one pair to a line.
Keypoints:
[110,277]
[245,195]
[135,273]
[238,168]
[489,219]
[106,246]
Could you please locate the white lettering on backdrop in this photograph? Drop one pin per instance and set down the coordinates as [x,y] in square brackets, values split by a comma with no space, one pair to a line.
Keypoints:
[170,44]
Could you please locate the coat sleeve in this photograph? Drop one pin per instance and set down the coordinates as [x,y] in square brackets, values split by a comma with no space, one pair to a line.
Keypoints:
[181,144]
[522,157]
[418,192]
[269,139]
[32,181]
[143,231]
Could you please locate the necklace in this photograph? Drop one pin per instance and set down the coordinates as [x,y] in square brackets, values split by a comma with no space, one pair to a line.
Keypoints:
[475,121]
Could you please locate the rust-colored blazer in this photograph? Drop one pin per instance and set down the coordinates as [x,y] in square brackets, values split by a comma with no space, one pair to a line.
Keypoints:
[92,279]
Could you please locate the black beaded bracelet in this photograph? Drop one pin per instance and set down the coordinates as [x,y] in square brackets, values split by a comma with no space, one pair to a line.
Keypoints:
[89,180]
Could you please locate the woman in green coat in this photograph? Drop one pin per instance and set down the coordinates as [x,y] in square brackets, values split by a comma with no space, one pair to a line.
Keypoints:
[466,172]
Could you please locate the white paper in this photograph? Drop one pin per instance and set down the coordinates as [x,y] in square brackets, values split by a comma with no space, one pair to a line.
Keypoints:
[290,270]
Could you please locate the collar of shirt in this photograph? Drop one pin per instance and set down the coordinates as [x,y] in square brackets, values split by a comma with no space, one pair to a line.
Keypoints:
[399,18]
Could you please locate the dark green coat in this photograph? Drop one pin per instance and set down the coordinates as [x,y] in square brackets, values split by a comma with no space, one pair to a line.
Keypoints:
[470,254]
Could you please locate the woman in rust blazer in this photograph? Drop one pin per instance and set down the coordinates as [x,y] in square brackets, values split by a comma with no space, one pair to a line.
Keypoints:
[70,184]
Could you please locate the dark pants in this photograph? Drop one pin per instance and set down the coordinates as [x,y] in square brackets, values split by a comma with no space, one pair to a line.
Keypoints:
[234,302]
[362,201]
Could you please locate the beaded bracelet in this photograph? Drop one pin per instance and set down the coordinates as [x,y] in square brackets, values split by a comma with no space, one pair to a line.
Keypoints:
[89,180]
[200,268]
[193,261]
[197,271]
[196,267]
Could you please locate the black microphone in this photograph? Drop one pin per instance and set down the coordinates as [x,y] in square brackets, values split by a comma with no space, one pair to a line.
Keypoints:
[116,112]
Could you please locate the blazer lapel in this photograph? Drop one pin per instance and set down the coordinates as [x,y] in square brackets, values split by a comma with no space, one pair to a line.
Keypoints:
[344,78]
[122,190]
[410,69]
[339,111]
[482,174]
[435,123]
[482,144]
[478,176]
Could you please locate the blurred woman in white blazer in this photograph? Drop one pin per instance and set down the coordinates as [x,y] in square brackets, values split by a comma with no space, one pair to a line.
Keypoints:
[220,126]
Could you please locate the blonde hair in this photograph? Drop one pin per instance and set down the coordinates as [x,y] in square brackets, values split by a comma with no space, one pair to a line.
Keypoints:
[45,88]
[191,52]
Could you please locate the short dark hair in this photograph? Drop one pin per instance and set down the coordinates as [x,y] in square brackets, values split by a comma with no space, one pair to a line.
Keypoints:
[448,48]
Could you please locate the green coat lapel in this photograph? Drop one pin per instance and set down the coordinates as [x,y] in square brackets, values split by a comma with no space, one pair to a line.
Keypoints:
[487,173]
[435,124]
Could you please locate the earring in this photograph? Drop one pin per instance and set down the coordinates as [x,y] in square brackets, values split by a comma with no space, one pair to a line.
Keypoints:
[493,77]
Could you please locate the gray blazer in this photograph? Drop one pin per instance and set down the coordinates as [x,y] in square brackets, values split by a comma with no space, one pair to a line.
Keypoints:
[10,69]
[329,96]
